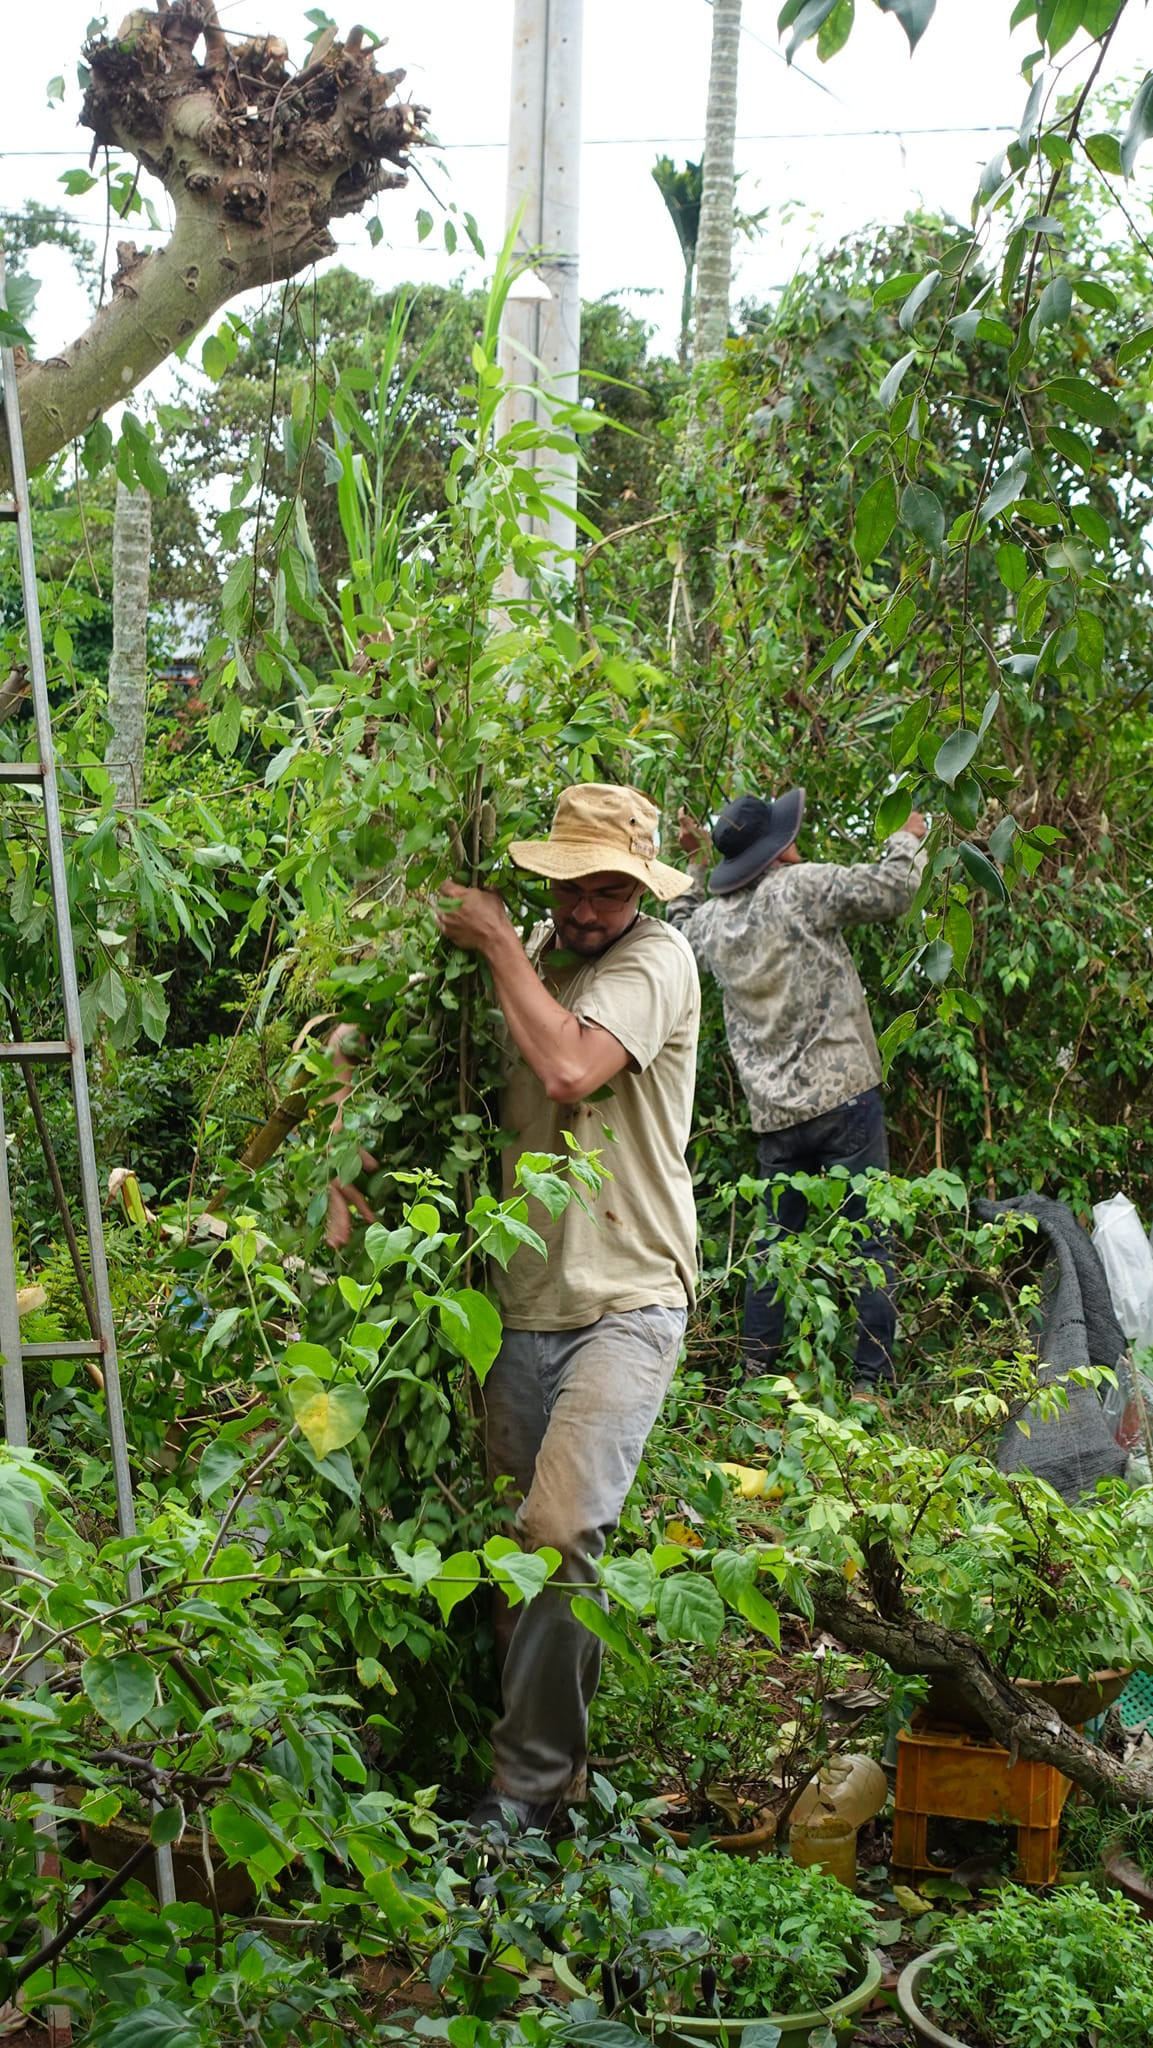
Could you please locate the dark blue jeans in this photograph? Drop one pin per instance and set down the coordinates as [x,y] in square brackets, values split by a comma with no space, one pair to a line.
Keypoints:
[852,1136]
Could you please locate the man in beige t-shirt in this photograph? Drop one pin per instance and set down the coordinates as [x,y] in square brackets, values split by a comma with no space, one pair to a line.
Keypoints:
[604,1004]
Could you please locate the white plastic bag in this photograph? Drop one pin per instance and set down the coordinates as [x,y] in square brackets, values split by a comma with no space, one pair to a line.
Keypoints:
[1127,1257]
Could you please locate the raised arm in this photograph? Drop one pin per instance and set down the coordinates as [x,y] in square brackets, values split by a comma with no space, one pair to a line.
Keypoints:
[570,1059]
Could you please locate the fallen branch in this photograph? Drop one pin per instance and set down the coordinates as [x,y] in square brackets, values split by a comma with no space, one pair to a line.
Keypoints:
[1024,1726]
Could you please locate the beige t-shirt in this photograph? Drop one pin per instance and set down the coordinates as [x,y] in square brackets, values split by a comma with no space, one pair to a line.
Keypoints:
[638,1247]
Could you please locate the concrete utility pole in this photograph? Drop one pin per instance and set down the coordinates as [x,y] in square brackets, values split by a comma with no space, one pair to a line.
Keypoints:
[544,143]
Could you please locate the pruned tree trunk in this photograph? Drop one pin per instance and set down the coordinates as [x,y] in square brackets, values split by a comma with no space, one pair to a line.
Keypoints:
[715,239]
[128,663]
[256,159]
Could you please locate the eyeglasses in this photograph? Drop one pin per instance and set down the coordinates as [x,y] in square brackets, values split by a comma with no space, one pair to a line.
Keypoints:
[568,894]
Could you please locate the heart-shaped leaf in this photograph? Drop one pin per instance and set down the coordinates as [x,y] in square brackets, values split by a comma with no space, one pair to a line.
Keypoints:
[329,1417]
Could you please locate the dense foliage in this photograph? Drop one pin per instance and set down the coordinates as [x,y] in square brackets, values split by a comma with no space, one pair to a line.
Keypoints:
[890,545]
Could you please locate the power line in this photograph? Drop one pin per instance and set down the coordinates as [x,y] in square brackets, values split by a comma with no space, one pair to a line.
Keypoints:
[682,141]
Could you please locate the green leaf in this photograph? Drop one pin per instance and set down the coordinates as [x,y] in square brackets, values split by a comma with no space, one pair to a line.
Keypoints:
[1012,566]
[423,224]
[1002,836]
[1005,491]
[1055,303]
[898,619]
[958,932]
[167,1826]
[835,31]
[1072,446]
[964,801]
[522,1573]
[459,1575]
[631,1580]
[1097,294]
[913,15]
[156,2025]
[147,468]
[736,1575]
[894,1036]
[1028,126]
[472,1326]
[1091,523]
[922,290]
[937,961]
[809,18]
[1137,345]
[122,1688]
[893,811]
[241,1835]
[689,1609]
[607,1631]
[980,870]
[955,754]
[907,731]
[1086,400]
[922,514]
[1140,125]
[1058,22]
[1104,152]
[217,1469]
[214,358]
[875,520]
[1090,641]
[891,383]
[421,1565]
[329,1417]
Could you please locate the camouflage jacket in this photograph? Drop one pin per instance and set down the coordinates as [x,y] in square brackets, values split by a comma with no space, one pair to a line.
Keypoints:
[795,1011]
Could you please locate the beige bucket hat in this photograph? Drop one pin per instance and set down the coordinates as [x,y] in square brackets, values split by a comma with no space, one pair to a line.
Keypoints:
[602,825]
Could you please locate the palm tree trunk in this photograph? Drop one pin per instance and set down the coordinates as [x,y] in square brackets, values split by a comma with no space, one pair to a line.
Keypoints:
[715,242]
[128,664]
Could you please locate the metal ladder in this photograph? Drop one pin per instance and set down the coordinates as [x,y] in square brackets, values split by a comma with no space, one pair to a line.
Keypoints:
[37,780]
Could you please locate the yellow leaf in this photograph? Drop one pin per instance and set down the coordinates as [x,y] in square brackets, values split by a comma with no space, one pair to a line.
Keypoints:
[680,1532]
[329,1416]
[911,1903]
[850,1568]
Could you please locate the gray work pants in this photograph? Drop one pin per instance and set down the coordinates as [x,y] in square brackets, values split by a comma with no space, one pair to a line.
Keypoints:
[567,1413]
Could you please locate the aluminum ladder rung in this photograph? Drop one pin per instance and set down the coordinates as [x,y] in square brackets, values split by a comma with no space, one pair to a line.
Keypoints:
[36,1049]
[9,510]
[22,771]
[86,1347]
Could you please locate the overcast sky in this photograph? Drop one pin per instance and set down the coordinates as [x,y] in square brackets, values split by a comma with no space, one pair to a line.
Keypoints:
[807,150]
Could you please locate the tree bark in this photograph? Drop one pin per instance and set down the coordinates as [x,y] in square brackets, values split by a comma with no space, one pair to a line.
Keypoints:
[1024,1726]
[256,159]
[715,239]
[128,663]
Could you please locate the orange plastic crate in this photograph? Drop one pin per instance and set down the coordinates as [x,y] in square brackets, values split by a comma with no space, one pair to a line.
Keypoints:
[950,1774]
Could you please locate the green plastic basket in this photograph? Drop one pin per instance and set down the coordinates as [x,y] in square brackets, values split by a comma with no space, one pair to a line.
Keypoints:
[1135,1705]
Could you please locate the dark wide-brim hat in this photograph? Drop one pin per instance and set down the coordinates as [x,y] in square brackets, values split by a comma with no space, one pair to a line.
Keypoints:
[749,834]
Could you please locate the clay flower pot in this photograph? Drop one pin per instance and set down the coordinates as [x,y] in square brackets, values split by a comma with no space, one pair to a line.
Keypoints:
[1077,1700]
[924,2030]
[675,2029]
[1127,1877]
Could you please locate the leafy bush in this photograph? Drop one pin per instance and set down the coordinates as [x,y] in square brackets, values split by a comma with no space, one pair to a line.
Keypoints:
[1031,1971]
[732,1935]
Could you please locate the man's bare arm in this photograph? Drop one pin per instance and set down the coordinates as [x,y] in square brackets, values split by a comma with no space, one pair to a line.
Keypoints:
[569,1058]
